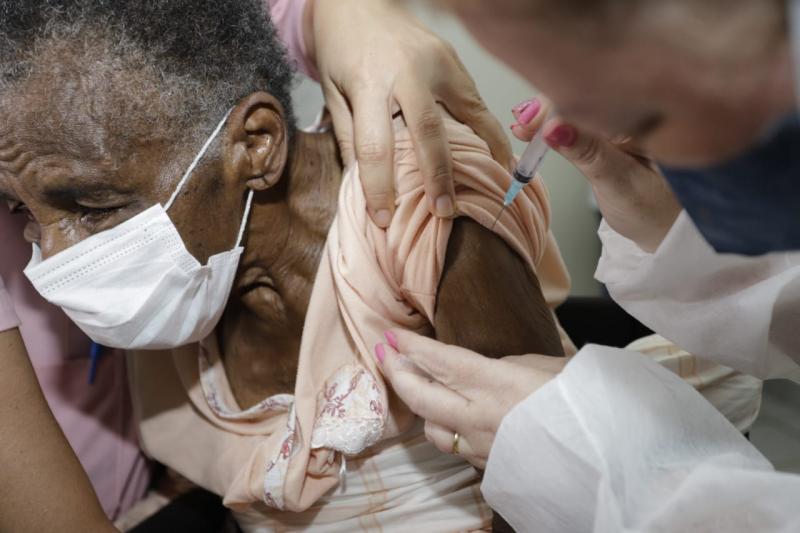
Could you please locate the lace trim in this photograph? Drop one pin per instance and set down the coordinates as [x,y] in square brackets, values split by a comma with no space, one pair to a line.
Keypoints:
[275,472]
[351,415]
[211,383]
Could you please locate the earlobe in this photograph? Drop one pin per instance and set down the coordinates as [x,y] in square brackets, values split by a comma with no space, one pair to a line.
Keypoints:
[256,142]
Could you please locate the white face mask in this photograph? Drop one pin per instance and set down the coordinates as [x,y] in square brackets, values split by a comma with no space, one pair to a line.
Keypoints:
[136,285]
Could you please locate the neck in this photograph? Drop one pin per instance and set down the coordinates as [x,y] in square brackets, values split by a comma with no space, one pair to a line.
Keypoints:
[263,322]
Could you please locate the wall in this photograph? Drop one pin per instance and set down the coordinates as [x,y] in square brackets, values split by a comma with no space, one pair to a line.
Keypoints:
[574,221]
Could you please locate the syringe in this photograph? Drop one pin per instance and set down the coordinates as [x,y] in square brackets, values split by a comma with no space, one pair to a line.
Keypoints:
[526,169]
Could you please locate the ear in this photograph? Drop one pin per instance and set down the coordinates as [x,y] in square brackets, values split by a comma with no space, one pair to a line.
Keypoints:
[256,144]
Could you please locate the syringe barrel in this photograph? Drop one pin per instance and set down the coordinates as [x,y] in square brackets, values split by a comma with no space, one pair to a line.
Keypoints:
[532,157]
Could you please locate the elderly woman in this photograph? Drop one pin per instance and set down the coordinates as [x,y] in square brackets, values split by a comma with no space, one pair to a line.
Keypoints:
[259,266]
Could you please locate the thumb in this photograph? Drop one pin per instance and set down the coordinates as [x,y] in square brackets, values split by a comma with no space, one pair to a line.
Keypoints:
[597,158]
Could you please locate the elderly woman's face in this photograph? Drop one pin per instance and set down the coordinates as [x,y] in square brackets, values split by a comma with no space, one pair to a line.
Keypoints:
[63,161]
[681,108]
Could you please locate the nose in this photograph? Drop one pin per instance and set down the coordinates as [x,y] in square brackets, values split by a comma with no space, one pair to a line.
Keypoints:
[32,232]
[52,239]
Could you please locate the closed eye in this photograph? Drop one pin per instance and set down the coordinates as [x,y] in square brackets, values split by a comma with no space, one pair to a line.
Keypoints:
[92,217]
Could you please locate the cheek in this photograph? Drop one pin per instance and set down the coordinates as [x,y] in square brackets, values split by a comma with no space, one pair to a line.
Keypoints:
[208,223]
[700,134]
[55,237]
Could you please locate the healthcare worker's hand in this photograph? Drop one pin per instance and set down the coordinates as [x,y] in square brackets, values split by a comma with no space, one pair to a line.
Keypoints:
[373,58]
[632,194]
[459,391]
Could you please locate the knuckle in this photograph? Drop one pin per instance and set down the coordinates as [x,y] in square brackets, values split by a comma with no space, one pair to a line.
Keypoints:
[428,125]
[346,145]
[378,195]
[589,153]
[372,152]
[439,176]
[474,106]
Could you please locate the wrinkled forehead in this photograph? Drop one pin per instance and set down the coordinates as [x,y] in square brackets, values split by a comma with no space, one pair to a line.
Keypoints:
[81,89]
[81,112]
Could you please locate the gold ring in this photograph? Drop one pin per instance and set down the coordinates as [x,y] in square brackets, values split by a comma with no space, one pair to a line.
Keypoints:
[456,440]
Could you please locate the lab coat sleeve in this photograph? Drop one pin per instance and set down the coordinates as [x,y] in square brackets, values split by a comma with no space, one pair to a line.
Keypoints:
[8,318]
[618,443]
[287,16]
[741,312]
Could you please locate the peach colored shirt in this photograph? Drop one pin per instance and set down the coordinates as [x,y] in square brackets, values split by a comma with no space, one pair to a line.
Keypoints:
[287,451]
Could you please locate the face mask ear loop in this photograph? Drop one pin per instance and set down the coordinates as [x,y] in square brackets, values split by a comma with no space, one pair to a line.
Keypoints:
[196,161]
[246,216]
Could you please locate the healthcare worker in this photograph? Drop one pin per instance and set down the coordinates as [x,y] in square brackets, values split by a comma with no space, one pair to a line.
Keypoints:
[610,441]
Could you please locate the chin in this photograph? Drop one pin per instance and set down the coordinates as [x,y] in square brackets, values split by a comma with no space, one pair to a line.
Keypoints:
[696,152]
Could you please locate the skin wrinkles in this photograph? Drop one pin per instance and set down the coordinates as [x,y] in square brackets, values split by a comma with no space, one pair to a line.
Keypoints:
[80,161]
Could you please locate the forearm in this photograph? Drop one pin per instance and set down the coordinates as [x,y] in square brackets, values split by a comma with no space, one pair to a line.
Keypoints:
[42,484]
[734,310]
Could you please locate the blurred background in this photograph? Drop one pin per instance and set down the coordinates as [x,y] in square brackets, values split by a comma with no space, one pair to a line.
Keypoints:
[574,218]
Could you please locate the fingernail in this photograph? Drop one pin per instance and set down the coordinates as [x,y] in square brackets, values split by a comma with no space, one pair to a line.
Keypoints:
[444,206]
[383,218]
[529,113]
[563,136]
[391,338]
[380,352]
[522,106]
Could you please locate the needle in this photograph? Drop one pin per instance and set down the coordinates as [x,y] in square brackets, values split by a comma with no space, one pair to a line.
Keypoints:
[498,218]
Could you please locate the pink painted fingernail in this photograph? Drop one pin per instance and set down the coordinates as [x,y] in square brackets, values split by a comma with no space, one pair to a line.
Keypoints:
[391,338]
[562,136]
[380,352]
[529,112]
[520,107]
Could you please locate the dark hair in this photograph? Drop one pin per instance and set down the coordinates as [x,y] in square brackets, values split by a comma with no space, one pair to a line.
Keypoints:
[202,56]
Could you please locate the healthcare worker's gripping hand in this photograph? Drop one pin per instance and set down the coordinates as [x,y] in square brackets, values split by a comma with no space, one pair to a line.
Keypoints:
[632,194]
[459,391]
[373,58]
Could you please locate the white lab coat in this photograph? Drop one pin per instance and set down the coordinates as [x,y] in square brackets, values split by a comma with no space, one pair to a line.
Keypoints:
[618,443]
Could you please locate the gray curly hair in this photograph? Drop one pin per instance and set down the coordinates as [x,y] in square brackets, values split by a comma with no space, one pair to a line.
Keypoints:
[154,63]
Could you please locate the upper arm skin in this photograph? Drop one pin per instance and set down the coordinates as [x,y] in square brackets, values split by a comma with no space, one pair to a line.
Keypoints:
[42,485]
[489,301]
